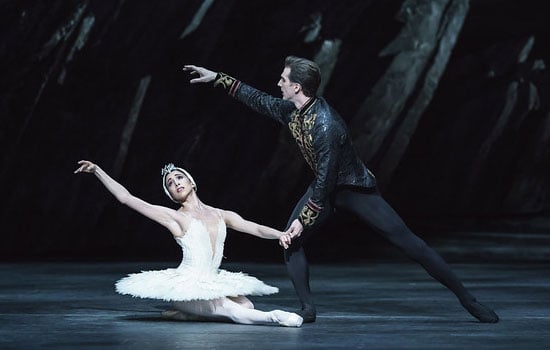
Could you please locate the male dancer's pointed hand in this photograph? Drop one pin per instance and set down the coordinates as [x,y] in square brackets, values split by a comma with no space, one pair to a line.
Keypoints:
[204,75]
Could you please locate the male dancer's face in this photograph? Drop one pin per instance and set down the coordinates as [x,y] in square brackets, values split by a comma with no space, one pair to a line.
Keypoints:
[288,88]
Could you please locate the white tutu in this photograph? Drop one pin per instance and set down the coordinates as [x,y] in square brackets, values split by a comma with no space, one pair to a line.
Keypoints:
[198,277]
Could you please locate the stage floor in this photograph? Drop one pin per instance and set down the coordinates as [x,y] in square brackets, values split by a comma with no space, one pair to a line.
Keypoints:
[377,305]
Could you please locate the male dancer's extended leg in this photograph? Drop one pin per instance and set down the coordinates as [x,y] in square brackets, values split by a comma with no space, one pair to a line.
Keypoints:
[296,260]
[373,210]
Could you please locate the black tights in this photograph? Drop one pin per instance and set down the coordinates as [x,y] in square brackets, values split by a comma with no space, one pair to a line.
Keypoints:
[372,210]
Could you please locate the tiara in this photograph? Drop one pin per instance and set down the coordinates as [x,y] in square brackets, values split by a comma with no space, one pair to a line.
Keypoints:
[167,169]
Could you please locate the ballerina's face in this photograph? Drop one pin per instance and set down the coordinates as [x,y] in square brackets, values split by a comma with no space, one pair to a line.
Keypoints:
[178,185]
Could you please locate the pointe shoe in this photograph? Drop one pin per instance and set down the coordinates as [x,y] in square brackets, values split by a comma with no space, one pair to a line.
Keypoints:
[308,313]
[483,313]
[287,319]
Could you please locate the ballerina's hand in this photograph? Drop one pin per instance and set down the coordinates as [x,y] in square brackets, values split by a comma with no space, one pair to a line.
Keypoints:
[285,240]
[204,74]
[86,167]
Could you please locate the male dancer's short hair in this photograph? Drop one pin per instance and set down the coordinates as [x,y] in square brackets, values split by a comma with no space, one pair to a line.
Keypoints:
[304,72]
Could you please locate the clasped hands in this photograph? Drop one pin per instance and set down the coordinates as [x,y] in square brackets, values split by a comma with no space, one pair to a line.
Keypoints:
[295,230]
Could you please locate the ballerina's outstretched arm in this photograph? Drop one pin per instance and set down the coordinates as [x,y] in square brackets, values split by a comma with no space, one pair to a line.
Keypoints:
[236,222]
[165,216]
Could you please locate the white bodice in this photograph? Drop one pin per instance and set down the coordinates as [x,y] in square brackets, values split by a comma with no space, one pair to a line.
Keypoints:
[199,252]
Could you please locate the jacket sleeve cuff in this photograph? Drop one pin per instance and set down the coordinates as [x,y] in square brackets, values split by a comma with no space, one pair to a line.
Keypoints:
[310,213]
[227,82]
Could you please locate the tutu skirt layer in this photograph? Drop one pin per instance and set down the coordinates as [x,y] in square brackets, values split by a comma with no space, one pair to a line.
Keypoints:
[184,285]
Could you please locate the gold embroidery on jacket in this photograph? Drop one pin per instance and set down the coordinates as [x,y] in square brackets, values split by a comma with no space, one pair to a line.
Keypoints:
[301,131]
[224,80]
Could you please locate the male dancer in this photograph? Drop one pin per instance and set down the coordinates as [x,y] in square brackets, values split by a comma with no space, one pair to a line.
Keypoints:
[341,179]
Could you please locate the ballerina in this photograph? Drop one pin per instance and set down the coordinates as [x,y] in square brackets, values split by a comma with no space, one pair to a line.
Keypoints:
[198,289]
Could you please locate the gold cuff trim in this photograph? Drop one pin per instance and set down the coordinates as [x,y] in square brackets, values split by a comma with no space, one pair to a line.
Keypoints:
[308,216]
[224,81]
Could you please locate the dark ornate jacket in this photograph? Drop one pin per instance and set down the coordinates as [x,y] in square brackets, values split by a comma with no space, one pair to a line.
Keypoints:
[322,136]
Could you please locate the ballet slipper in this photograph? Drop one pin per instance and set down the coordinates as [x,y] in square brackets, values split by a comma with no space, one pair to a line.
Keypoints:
[483,313]
[287,319]
[308,313]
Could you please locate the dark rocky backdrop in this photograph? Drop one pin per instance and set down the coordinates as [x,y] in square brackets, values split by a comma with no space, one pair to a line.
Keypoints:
[447,101]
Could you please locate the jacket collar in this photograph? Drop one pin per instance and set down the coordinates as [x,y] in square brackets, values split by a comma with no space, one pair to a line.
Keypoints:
[307,106]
